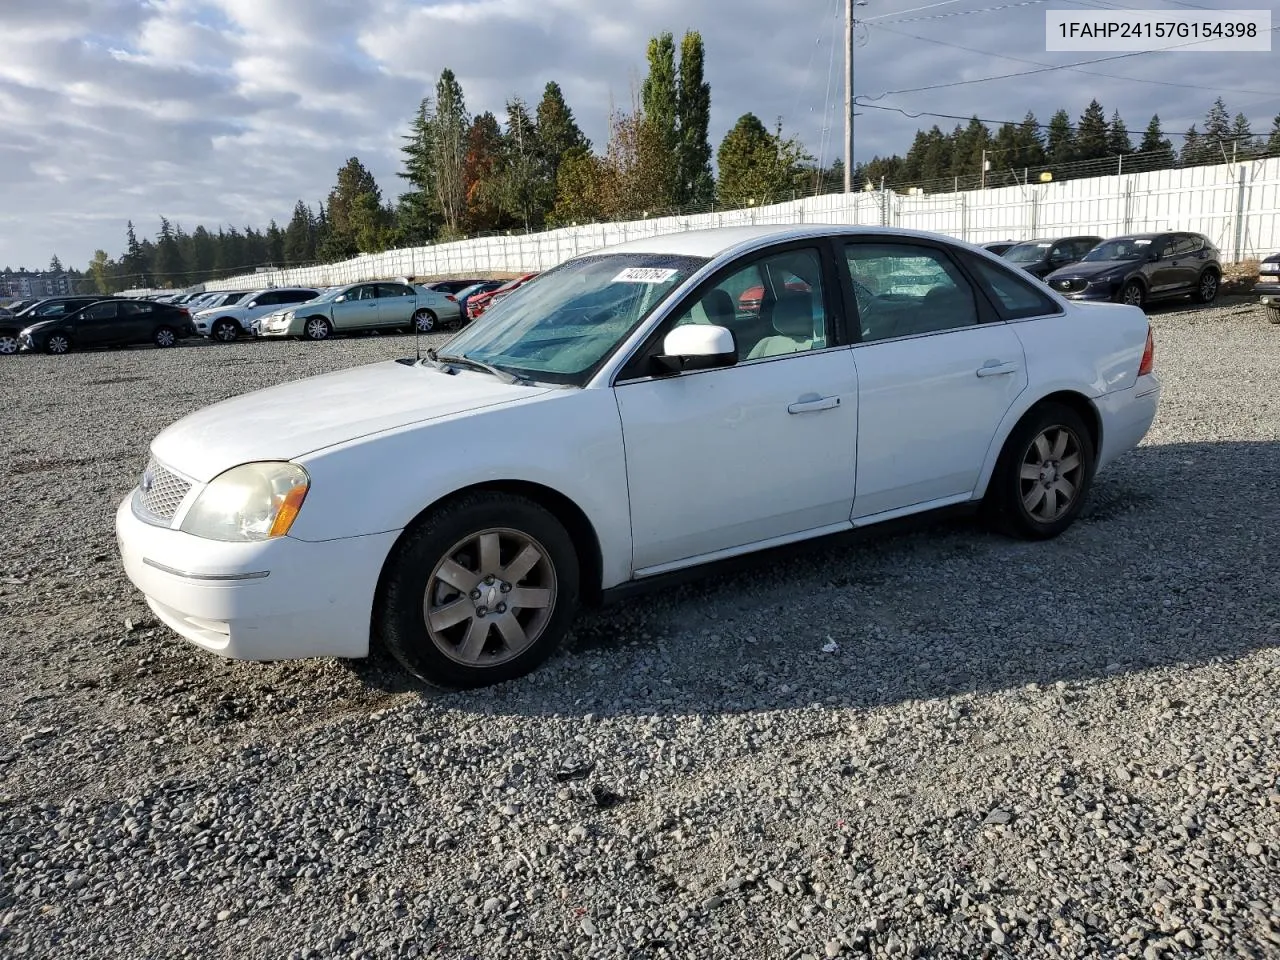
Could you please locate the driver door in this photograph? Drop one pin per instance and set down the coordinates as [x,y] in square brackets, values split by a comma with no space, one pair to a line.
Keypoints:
[96,326]
[761,451]
[359,311]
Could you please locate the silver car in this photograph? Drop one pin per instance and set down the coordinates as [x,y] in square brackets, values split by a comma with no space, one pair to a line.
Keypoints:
[377,305]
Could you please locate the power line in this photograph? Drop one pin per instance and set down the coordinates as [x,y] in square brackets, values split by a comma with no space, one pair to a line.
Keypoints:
[958,13]
[898,13]
[1038,63]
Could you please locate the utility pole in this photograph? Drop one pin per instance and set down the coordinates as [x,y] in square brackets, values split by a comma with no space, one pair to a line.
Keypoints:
[848,96]
[984,170]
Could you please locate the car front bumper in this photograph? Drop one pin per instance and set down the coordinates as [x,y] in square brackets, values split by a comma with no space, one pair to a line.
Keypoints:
[294,328]
[275,600]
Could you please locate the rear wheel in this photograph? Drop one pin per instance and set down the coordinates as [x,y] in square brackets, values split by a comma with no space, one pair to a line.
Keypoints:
[1043,474]
[164,337]
[57,343]
[1133,294]
[225,331]
[479,592]
[1207,288]
[424,321]
[317,328]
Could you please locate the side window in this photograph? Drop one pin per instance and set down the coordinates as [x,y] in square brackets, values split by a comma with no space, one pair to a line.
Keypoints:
[299,296]
[1015,297]
[905,290]
[366,292]
[267,299]
[100,311]
[394,290]
[1082,246]
[135,309]
[774,305]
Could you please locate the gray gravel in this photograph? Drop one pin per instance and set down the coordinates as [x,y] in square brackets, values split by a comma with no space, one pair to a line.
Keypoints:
[933,742]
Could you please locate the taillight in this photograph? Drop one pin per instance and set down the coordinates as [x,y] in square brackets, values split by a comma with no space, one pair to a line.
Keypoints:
[1148,363]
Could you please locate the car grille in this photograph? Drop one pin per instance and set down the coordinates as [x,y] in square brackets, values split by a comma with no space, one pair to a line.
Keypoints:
[1070,285]
[161,491]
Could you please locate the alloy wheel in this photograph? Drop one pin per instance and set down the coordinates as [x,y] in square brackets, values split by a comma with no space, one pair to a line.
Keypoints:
[58,344]
[8,343]
[490,598]
[424,321]
[1051,474]
[1208,287]
[165,338]
[317,329]
[226,332]
[1133,295]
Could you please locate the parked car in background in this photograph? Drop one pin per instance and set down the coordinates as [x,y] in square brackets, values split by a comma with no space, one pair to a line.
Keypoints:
[221,298]
[449,286]
[481,302]
[998,247]
[110,323]
[34,310]
[476,289]
[1268,286]
[1041,257]
[230,321]
[1143,267]
[379,305]
[616,421]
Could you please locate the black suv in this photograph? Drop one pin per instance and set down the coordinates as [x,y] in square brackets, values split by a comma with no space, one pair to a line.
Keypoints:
[46,309]
[1142,267]
[110,323]
[1041,257]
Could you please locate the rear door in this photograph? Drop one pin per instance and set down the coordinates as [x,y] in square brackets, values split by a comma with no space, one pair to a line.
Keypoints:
[396,303]
[95,326]
[136,323]
[937,371]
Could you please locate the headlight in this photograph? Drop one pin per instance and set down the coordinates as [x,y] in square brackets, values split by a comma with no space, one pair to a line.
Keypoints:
[254,501]
[287,315]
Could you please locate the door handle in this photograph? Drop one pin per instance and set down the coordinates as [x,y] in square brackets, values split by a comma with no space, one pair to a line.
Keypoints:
[811,404]
[994,368]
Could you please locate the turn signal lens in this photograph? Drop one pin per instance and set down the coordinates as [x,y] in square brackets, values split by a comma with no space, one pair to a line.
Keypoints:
[1148,363]
[288,510]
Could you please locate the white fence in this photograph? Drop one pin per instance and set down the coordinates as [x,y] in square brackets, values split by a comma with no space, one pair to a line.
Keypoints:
[1237,206]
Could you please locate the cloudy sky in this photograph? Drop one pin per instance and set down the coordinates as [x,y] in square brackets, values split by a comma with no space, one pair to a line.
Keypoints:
[227,111]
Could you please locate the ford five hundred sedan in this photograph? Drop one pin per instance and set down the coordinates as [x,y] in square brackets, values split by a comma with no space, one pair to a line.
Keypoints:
[620,418]
[386,305]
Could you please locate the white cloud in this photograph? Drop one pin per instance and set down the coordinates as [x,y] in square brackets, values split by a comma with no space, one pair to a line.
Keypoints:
[227,111]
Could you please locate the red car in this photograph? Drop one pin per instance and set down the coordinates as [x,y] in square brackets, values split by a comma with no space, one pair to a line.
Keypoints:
[482,301]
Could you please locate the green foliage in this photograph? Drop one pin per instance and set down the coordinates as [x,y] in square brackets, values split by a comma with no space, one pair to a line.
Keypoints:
[758,166]
[694,182]
[659,102]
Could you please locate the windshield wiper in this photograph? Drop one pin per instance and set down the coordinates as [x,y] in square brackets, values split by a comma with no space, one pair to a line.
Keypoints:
[463,361]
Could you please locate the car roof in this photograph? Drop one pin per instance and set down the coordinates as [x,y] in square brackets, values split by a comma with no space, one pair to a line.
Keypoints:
[718,241]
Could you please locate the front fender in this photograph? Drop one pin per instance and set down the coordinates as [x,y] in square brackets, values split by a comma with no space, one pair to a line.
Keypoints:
[569,441]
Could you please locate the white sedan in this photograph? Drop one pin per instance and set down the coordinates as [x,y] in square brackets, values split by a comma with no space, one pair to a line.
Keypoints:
[633,412]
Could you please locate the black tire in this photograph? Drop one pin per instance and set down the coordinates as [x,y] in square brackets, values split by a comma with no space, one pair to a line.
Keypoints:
[224,330]
[1133,293]
[399,619]
[424,321]
[1009,490]
[57,344]
[1207,286]
[165,337]
[317,328]
[1273,314]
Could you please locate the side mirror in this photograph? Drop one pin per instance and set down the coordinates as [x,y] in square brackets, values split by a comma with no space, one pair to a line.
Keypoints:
[697,346]
[252,303]
[340,299]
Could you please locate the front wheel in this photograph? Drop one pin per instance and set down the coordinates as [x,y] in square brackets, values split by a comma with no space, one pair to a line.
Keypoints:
[317,328]
[1043,474]
[165,337]
[8,343]
[225,331]
[479,592]
[1207,288]
[424,321]
[1133,294]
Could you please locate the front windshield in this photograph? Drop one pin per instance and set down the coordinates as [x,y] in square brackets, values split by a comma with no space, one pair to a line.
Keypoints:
[332,293]
[1032,252]
[1125,248]
[560,326]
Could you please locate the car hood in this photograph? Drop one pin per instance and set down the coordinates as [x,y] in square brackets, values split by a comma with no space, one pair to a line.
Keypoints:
[293,419]
[1095,268]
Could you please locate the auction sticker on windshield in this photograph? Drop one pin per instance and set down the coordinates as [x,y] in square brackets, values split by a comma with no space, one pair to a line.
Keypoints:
[645,275]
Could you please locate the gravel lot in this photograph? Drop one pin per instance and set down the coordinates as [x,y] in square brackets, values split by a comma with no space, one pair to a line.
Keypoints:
[935,742]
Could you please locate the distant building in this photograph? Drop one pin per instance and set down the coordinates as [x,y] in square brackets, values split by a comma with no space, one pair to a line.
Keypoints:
[24,283]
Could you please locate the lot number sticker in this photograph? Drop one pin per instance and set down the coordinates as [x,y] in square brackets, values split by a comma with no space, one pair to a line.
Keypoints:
[645,275]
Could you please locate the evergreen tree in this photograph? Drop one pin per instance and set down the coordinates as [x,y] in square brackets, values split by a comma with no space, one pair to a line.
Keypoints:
[134,265]
[55,265]
[1155,148]
[757,166]
[937,156]
[350,201]
[1217,130]
[418,218]
[1193,149]
[659,99]
[1091,133]
[1060,142]
[274,245]
[1242,137]
[449,141]
[558,131]
[695,185]
[967,151]
[1030,143]
[520,180]
[1118,142]
[484,159]
[169,267]
[578,189]
[298,246]
[1273,138]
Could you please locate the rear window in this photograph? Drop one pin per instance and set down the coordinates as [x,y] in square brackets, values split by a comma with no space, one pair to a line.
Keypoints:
[1015,298]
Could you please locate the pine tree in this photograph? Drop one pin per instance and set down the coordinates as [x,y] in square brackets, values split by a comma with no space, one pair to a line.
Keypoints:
[275,245]
[1091,133]
[1060,142]
[968,151]
[1217,130]
[1030,143]
[350,201]
[1242,137]
[417,218]
[558,131]
[659,106]
[55,265]
[756,166]
[1193,149]
[1155,151]
[1273,138]
[1118,142]
[134,264]
[449,140]
[520,180]
[695,184]
[169,266]
[298,246]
